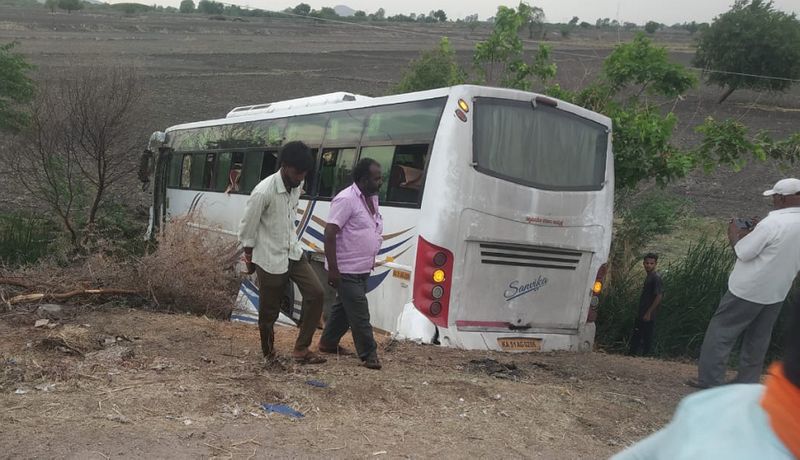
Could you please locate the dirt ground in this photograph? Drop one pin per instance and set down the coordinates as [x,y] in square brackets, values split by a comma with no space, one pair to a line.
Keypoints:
[114,382]
[198,69]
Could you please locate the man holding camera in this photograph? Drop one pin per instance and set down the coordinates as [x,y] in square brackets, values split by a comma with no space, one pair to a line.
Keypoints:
[767,262]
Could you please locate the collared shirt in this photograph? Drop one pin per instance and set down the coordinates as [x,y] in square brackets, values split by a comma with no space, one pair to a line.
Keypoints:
[722,423]
[268,225]
[360,235]
[768,259]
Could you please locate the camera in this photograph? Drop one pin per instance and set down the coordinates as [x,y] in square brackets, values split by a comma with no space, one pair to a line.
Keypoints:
[744,224]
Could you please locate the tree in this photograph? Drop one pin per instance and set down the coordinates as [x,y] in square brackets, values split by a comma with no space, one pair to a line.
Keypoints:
[752,38]
[651,27]
[379,15]
[16,88]
[84,129]
[574,21]
[302,9]
[210,7]
[500,58]
[440,15]
[187,6]
[585,25]
[437,68]
[360,15]
[533,17]
[70,5]
[51,5]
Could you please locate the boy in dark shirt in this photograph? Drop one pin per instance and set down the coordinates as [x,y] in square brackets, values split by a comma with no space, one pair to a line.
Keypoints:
[652,293]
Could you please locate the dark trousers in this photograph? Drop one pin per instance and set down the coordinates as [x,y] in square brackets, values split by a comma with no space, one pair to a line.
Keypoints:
[736,317]
[351,312]
[270,292]
[642,338]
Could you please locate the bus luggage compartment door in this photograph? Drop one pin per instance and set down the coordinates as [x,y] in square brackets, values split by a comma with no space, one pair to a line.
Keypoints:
[522,288]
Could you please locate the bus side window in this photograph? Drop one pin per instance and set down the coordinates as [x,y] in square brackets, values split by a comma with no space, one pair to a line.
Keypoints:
[222,178]
[209,169]
[197,171]
[336,168]
[251,171]
[186,171]
[403,169]
[174,177]
[408,173]
[270,164]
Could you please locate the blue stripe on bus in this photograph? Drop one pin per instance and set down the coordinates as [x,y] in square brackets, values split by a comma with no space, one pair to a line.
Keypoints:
[251,291]
[395,246]
[374,281]
[307,218]
[316,234]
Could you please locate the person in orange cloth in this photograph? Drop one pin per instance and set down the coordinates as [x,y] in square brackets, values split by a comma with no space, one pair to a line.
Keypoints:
[740,421]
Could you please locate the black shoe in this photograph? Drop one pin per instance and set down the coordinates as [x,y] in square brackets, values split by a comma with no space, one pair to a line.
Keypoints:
[694,383]
[372,362]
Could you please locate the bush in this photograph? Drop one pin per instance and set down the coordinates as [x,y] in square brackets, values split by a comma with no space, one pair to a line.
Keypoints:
[24,239]
[191,269]
[693,287]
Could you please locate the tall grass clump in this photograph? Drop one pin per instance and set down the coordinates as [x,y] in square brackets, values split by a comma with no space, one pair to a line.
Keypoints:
[24,239]
[693,287]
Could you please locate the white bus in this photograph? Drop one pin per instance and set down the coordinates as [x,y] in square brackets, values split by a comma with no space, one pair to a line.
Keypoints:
[497,204]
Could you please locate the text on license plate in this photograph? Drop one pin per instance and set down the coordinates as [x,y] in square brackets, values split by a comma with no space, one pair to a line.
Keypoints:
[519,343]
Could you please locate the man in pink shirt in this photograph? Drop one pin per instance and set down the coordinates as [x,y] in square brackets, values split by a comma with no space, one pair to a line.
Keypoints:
[353,238]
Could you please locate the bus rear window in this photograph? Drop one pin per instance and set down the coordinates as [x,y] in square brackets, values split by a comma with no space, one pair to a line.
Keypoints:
[541,147]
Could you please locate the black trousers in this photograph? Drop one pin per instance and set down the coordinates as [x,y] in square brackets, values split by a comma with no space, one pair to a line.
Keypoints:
[642,337]
[351,312]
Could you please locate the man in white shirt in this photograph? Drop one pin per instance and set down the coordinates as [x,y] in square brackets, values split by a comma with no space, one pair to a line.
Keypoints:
[273,252]
[767,262]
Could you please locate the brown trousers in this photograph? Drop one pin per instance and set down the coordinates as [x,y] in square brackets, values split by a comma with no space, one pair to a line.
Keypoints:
[270,292]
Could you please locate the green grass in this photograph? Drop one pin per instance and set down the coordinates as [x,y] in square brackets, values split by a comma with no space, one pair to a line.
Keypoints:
[24,239]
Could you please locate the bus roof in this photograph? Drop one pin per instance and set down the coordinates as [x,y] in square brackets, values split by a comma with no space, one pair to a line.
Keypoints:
[335,102]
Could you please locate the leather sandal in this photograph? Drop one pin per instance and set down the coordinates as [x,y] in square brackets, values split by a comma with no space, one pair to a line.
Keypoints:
[309,358]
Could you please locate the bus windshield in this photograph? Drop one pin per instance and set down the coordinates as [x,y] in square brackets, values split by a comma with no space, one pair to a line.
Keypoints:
[541,146]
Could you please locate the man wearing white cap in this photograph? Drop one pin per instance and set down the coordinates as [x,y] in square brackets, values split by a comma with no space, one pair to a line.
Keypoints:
[767,262]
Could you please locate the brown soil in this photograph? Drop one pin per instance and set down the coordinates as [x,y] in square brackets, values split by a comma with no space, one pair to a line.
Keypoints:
[159,385]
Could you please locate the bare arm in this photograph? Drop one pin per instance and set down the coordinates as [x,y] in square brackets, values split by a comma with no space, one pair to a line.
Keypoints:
[653,308]
[331,230]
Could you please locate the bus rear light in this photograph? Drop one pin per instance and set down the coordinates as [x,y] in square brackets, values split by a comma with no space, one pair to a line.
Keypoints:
[597,288]
[462,104]
[461,115]
[433,274]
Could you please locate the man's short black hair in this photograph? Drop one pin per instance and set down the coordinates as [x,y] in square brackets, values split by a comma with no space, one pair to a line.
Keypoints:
[297,155]
[362,169]
[651,255]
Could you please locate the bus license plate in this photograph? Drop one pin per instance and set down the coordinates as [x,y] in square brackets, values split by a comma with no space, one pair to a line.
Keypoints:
[519,343]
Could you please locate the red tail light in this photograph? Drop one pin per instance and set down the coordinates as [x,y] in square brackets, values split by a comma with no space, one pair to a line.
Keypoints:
[597,288]
[433,275]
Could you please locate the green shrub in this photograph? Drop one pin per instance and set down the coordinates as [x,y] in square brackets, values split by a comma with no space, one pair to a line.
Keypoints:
[693,287]
[24,239]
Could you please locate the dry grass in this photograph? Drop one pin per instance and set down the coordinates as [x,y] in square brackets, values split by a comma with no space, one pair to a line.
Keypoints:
[191,269]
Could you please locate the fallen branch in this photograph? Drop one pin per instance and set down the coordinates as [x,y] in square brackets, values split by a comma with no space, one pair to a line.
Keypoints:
[70,294]
[16,282]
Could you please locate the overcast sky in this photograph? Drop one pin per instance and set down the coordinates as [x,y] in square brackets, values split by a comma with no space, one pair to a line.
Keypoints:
[638,11]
